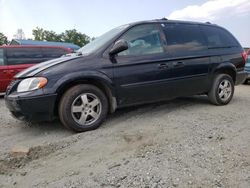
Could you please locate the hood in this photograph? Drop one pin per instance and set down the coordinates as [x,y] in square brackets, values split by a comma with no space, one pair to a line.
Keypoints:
[32,71]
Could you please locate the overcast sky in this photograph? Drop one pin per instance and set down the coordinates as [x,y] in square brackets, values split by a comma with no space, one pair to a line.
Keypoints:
[97,16]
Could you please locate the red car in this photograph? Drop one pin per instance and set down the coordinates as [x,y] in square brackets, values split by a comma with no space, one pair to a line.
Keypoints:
[14,59]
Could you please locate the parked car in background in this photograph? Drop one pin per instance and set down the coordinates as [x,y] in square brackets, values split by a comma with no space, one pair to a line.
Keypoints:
[14,59]
[23,42]
[247,67]
[246,49]
[132,64]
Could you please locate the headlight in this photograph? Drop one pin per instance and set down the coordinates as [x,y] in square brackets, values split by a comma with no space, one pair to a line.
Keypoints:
[30,84]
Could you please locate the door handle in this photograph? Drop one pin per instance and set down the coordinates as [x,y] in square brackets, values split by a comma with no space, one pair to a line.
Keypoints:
[163,66]
[178,64]
[5,71]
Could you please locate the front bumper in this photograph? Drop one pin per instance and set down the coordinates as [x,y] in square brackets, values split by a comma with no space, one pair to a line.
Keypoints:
[35,108]
[241,77]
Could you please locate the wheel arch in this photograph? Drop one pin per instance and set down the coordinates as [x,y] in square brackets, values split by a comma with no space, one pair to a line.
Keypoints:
[102,82]
[229,69]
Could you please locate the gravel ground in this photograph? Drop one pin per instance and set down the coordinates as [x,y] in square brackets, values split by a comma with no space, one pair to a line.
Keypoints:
[186,142]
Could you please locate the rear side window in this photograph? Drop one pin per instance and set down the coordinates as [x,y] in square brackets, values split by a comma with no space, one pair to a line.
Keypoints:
[1,57]
[218,38]
[16,56]
[24,53]
[53,52]
[183,38]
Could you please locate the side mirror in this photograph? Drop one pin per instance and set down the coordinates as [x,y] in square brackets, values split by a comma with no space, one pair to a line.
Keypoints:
[118,47]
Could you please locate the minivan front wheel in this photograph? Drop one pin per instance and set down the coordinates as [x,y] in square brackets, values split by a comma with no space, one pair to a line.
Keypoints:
[222,90]
[83,107]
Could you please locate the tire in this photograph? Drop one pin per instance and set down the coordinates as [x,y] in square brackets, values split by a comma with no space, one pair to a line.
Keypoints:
[219,96]
[83,108]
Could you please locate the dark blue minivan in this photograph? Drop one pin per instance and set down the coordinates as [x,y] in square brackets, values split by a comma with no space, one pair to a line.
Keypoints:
[132,64]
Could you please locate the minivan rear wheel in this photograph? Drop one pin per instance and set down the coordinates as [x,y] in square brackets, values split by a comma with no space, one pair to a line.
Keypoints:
[222,90]
[83,107]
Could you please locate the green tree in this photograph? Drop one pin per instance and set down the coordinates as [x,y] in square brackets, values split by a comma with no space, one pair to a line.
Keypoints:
[38,34]
[52,36]
[3,39]
[45,35]
[73,36]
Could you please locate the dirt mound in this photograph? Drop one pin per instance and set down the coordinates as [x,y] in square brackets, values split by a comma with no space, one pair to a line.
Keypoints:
[10,162]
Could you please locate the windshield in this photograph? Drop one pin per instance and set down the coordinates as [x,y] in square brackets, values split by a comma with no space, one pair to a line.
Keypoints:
[100,41]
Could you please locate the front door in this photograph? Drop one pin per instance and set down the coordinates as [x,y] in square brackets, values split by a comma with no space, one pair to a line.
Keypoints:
[140,71]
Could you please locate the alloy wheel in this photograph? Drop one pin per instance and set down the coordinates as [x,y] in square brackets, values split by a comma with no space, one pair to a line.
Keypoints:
[86,109]
[225,90]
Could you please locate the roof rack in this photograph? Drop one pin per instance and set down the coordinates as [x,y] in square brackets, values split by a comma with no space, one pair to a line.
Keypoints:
[208,22]
[162,19]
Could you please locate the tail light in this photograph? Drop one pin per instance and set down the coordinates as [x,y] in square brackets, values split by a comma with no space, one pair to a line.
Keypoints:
[244,55]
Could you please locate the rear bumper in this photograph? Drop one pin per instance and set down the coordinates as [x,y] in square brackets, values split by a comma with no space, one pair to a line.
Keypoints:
[241,77]
[37,108]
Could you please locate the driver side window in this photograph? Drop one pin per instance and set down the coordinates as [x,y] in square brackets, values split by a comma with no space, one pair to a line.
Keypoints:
[143,40]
